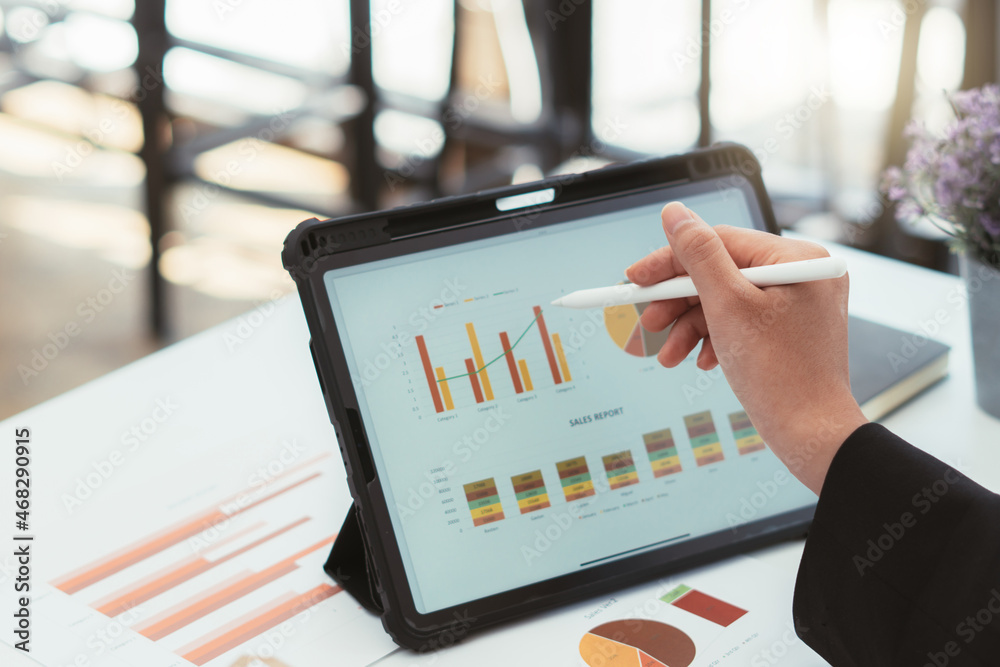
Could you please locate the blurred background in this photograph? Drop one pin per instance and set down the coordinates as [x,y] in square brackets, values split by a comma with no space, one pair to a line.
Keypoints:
[154,154]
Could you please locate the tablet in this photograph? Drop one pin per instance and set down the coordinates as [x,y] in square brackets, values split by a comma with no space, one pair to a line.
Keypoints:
[506,455]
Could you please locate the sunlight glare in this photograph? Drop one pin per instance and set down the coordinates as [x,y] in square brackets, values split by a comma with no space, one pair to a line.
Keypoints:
[866,40]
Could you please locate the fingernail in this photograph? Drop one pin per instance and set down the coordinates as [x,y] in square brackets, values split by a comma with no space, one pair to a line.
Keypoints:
[674,215]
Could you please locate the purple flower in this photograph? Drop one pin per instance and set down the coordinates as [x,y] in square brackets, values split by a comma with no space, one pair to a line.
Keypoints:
[990,224]
[893,184]
[909,211]
[955,176]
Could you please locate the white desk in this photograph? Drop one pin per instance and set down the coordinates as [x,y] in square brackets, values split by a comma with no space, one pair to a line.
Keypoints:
[266,388]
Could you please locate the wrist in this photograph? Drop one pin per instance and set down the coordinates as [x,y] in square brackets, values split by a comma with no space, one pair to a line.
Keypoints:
[810,448]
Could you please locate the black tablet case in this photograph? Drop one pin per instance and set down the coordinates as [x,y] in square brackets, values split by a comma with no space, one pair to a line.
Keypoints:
[353,561]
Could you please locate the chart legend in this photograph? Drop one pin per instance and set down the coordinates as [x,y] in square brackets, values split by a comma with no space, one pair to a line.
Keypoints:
[620,469]
[529,489]
[574,475]
[704,438]
[662,452]
[637,643]
[700,604]
[484,502]
[747,439]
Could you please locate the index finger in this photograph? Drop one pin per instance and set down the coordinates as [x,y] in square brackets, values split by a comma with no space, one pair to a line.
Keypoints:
[747,247]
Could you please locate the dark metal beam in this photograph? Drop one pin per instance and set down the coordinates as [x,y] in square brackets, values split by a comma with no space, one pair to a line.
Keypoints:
[150,27]
[705,86]
[365,184]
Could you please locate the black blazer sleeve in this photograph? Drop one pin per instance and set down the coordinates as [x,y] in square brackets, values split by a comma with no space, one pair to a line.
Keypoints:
[902,562]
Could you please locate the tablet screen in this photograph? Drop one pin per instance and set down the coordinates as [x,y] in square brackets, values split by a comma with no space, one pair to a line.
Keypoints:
[516,441]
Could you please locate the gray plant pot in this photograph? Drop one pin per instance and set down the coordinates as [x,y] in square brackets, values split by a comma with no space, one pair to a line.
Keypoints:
[983,283]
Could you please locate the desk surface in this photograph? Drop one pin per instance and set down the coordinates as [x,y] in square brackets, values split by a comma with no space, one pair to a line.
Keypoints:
[264,387]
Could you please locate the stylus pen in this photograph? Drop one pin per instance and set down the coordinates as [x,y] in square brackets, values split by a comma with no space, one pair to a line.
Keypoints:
[788,273]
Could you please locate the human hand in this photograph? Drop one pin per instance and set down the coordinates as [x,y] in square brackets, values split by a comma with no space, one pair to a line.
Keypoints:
[783,349]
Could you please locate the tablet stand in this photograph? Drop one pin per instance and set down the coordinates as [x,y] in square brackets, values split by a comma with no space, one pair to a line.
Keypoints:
[350,564]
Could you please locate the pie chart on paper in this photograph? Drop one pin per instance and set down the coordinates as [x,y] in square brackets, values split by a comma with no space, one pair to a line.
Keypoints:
[622,323]
[636,643]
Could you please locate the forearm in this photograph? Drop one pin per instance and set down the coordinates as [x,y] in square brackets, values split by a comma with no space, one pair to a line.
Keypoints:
[903,552]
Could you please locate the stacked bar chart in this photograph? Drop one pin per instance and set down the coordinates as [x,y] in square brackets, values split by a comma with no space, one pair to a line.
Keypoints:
[704,605]
[482,386]
[704,438]
[574,476]
[484,502]
[662,452]
[748,440]
[620,469]
[529,489]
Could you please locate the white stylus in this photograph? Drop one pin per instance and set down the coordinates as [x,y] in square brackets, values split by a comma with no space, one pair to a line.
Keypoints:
[788,273]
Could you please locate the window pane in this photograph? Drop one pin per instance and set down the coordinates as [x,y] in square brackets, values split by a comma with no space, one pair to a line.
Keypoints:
[312,34]
[764,59]
[412,46]
[940,66]
[646,62]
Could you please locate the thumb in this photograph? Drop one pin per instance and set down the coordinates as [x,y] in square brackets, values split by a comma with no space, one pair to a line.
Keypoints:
[700,251]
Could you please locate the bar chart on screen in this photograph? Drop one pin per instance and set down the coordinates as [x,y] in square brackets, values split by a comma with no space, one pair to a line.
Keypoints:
[236,574]
[476,355]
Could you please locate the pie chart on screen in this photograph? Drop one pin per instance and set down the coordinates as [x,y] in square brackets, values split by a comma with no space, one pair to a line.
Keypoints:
[622,323]
[636,643]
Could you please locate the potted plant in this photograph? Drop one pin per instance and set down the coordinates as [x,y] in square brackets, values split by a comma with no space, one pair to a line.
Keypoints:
[953,180]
